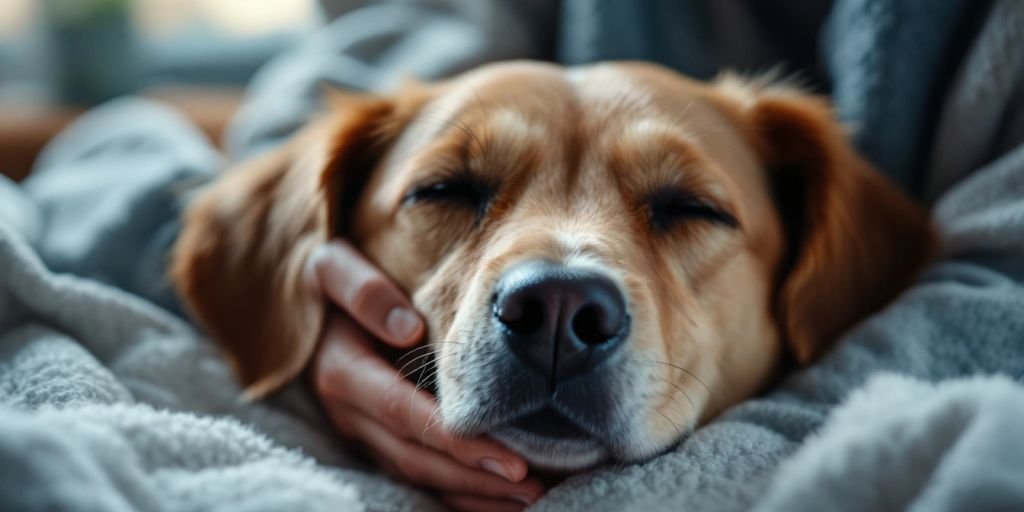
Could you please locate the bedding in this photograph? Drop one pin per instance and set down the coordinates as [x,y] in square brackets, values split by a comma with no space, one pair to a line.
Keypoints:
[109,401]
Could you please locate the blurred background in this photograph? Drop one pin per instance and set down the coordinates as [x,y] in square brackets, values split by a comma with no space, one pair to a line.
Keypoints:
[58,57]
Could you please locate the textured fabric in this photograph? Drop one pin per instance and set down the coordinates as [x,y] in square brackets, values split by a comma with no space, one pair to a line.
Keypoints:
[595,30]
[696,37]
[943,448]
[111,188]
[94,418]
[885,59]
[108,403]
[374,48]
[976,123]
[964,318]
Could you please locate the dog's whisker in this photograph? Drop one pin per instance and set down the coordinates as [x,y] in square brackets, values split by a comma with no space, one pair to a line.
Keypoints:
[418,352]
[421,384]
[427,359]
[461,126]
[402,376]
[681,390]
[431,364]
[429,349]
[432,422]
[680,368]
[686,109]
[429,353]
[675,425]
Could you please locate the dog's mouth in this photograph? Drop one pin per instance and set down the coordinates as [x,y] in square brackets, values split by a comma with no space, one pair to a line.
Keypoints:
[549,423]
[550,440]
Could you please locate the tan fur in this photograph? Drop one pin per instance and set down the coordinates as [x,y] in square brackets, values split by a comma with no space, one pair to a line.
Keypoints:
[575,153]
[239,261]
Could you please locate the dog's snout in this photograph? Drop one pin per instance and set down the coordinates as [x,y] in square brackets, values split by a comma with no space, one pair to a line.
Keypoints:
[557,320]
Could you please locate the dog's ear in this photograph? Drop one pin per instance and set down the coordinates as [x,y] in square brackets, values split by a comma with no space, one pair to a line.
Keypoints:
[239,261]
[854,239]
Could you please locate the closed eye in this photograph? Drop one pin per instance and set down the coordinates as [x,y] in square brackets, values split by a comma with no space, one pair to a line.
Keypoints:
[671,207]
[460,190]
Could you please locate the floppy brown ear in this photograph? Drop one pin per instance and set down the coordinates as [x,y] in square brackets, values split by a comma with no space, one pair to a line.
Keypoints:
[855,239]
[239,261]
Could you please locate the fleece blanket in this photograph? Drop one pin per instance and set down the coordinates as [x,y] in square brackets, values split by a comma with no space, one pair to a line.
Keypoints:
[109,401]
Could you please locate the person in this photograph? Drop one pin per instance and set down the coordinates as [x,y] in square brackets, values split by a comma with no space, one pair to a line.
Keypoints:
[935,88]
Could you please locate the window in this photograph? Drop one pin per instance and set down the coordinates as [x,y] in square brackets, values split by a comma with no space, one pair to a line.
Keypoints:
[89,50]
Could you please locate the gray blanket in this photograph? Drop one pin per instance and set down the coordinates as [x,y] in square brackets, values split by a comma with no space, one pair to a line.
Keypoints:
[108,403]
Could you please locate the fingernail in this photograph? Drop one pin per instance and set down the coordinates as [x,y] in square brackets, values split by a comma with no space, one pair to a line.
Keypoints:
[496,467]
[522,498]
[310,272]
[402,323]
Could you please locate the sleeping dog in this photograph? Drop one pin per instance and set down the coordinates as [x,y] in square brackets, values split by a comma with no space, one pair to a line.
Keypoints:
[606,256]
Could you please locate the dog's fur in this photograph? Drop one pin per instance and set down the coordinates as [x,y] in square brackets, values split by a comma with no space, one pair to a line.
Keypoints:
[570,158]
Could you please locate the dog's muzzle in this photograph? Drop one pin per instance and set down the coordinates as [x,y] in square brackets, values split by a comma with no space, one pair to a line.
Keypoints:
[561,326]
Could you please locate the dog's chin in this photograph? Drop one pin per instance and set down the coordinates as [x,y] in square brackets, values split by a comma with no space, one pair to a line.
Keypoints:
[553,453]
[549,441]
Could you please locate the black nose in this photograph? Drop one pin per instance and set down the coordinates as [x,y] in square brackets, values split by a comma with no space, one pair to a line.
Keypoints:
[559,321]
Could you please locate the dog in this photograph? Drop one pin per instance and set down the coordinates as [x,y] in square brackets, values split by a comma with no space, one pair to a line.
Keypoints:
[606,256]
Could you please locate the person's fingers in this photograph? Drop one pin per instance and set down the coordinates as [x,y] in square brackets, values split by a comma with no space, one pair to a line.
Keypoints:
[472,503]
[424,466]
[347,369]
[355,285]
[458,501]
[454,500]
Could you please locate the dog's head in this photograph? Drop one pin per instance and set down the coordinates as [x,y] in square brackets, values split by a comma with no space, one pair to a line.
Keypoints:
[605,256]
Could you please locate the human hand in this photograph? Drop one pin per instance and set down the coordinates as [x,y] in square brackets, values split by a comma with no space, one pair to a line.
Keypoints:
[372,404]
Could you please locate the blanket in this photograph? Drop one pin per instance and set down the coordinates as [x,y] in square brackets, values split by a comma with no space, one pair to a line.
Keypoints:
[110,401]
